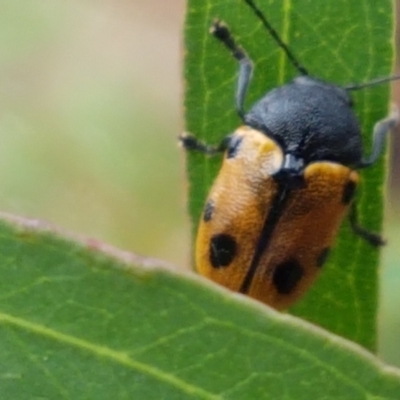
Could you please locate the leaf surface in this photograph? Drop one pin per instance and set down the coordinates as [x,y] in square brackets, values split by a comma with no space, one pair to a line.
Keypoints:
[78,322]
[339,41]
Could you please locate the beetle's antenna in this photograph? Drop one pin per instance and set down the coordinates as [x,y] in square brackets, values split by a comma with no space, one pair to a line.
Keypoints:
[277,38]
[378,81]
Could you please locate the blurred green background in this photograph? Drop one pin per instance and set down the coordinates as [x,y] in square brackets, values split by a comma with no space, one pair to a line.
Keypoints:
[89,119]
[90,109]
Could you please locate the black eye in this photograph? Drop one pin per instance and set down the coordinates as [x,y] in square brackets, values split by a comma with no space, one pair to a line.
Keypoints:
[233,147]
[208,211]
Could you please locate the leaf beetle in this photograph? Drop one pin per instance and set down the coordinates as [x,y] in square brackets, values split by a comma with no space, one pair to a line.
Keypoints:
[287,180]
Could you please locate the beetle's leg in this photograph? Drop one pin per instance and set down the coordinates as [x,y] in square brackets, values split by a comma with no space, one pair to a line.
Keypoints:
[223,34]
[381,129]
[372,238]
[191,143]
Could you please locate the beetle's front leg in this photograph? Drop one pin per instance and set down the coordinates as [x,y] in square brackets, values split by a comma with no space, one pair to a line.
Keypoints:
[191,143]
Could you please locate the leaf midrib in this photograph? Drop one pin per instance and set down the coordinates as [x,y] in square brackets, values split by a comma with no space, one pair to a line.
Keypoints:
[105,352]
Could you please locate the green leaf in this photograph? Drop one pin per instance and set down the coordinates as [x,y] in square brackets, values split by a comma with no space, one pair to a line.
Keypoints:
[79,323]
[338,41]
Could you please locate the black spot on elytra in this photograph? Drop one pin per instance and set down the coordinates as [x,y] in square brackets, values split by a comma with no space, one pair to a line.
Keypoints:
[348,192]
[287,275]
[208,211]
[323,257]
[233,147]
[222,250]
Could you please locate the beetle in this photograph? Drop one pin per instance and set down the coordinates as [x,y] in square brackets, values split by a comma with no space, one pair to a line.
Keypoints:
[287,181]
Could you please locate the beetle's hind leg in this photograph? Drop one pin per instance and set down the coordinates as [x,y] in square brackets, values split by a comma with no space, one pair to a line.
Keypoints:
[371,237]
[381,129]
[191,143]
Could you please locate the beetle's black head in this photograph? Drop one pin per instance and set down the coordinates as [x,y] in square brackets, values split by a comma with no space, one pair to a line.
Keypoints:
[312,120]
